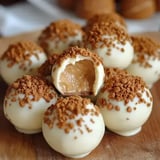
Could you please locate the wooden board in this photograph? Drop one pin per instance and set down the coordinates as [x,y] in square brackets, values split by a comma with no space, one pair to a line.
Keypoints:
[143,146]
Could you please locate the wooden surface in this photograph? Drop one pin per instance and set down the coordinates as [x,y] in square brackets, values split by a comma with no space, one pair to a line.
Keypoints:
[143,146]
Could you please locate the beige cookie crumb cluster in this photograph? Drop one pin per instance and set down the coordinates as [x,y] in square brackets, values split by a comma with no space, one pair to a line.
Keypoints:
[33,89]
[68,109]
[21,52]
[123,87]
[59,31]
[110,72]
[145,48]
[72,52]
[109,17]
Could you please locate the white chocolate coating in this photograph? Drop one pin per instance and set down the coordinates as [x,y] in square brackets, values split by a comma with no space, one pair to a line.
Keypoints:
[10,74]
[126,123]
[117,58]
[84,143]
[26,120]
[150,74]
[57,71]
[57,46]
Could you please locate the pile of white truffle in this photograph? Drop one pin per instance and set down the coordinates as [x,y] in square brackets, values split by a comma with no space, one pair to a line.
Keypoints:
[77,80]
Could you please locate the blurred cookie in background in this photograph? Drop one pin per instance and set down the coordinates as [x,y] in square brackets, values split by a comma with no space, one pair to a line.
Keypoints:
[87,8]
[67,4]
[137,9]
[158,5]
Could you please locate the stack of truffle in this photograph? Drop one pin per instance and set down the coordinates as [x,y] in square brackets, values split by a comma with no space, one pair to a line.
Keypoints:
[78,83]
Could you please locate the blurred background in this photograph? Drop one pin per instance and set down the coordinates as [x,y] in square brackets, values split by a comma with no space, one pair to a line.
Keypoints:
[17,16]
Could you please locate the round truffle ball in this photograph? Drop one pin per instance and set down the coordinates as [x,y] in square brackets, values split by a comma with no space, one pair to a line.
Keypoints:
[78,72]
[125,103]
[146,61]
[111,43]
[73,126]
[25,102]
[19,59]
[59,35]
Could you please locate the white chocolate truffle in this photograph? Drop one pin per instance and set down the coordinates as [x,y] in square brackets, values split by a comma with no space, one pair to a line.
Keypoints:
[73,126]
[78,71]
[146,62]
[111,43]
[59,35]
[125,103]
[25,102]
[22,58]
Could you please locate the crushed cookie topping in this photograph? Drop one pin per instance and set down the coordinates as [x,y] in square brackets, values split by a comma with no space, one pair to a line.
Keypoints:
[33,88]
[46,67]
[105,34]
[108,17]
[72,52]
[109,72]
[145,48]
[123,88]
[60,29]
[66,110]
[21,51]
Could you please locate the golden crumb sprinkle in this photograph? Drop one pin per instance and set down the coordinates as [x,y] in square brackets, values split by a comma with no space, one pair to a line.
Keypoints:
[73,52]
[117,108]
[125,88]
[109,72]
[145,48]
[96,34]
[46,67]
[105,17]
[33,88]
[67,109]
[129,109]
[21,51]
[61,29]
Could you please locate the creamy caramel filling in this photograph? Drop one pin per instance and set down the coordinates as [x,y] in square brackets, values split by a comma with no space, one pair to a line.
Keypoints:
[78,78]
